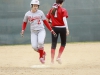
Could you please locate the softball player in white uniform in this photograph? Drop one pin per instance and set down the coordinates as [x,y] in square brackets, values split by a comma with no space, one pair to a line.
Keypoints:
[36,18]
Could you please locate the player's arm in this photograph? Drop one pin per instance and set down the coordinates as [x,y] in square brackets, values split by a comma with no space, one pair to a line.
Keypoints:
[49,18]
[66,24]
[65,15]
[23,28]
[47,24]
[24,24]
[50,22]
[49,27]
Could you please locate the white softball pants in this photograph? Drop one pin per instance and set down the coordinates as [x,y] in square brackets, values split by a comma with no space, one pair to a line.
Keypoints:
[37,39]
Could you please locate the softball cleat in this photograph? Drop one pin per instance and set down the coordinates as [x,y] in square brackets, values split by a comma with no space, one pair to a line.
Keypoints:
[42,60]
[59,60]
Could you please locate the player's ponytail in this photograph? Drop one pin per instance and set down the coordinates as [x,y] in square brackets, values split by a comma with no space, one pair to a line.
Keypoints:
[53,11]
[56,6]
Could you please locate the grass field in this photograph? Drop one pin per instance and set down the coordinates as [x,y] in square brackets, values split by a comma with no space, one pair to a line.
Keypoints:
[77,59]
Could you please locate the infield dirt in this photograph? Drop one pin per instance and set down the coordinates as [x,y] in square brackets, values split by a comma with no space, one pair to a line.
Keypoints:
[77,59]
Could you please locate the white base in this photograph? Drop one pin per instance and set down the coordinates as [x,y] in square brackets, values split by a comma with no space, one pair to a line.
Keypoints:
[40,66]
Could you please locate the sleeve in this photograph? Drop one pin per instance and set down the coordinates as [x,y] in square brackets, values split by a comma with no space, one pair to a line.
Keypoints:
[48,15]
[45,22]
[43,16]
[25,18]
[65,13]
[24,25]
[47,25]
[65,22]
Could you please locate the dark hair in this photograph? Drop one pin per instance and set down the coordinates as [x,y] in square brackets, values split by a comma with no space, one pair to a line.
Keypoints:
[54,9]
[32,5]
[59,1]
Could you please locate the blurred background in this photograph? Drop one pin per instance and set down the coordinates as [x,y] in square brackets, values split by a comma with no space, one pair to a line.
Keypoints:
[83,21]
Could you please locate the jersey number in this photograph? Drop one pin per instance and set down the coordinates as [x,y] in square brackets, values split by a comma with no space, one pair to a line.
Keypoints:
[39,22]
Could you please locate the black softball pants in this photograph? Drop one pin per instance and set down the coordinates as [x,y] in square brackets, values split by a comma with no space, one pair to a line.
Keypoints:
[62,33]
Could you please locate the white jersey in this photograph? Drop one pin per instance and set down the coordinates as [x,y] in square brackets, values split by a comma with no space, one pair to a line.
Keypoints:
[35,19]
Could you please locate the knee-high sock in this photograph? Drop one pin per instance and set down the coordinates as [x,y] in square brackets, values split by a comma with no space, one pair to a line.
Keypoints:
[52,54]
[60,51]
[41,51]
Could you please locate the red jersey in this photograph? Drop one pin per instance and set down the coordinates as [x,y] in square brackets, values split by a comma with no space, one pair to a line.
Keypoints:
[58,21]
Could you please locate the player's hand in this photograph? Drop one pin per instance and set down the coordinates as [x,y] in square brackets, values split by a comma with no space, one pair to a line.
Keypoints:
[67,32]
[55,35]
[22,33]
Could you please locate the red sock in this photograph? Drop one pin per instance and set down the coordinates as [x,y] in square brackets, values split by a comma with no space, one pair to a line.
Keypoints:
[52,54]
[60,51]
[41,51]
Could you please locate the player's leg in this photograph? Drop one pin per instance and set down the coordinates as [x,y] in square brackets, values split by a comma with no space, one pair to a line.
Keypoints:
[53,45]
[63,43]
[41,38]
[34,40]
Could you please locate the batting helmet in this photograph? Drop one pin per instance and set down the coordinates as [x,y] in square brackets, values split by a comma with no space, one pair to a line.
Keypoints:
[35,2]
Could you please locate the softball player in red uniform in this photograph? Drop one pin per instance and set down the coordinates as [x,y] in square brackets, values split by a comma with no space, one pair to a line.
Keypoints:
[36,18]
[58,15]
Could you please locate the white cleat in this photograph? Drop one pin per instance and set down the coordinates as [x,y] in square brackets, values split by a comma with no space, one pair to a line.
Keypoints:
[42,60]
[52,62]
[59,60]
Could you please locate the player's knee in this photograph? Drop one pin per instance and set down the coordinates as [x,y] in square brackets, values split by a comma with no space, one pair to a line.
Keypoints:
[53,45]
[35,48]
[40,45]
[64,44]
